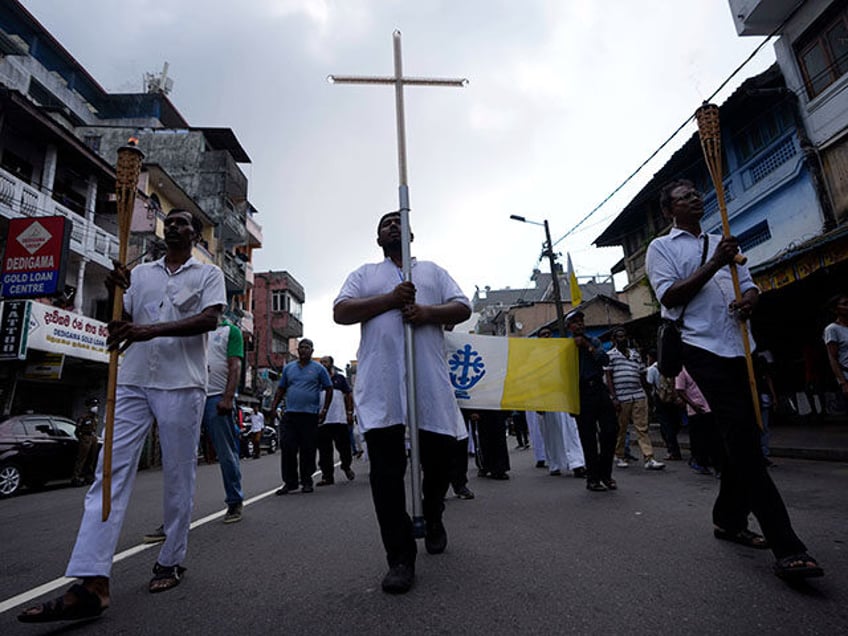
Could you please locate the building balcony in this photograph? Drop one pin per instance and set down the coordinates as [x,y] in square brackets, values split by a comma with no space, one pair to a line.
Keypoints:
[248,273]
[233,269]
[233,230]
[254,232]
[19,199]
[247,322]
[760,17]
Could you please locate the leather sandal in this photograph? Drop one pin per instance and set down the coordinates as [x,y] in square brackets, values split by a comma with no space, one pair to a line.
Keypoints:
[165,578]
[88,605]
[743,537]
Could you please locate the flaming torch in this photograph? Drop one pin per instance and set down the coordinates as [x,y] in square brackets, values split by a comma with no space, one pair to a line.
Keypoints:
[127,171]
[710,133]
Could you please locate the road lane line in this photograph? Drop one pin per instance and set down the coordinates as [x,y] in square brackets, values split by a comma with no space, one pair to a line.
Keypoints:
[62,581]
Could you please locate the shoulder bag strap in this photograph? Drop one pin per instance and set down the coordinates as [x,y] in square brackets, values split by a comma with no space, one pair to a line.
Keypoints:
[703,260]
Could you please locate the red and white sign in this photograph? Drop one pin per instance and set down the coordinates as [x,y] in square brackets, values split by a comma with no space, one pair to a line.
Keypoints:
[35,258]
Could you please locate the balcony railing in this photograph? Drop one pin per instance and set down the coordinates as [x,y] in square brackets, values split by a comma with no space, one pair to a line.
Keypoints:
[254,231]
[233,273]
[19,199]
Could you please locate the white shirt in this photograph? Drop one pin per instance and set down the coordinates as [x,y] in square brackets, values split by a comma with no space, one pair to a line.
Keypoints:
[218,353]
[155,295]
[707,322]
[257,422]
[337,413]
[380,390]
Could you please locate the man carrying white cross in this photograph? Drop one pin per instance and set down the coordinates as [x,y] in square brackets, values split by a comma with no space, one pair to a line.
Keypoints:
[376,296]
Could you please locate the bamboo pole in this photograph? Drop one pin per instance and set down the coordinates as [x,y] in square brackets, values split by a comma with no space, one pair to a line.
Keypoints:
[709,131]
[127,172]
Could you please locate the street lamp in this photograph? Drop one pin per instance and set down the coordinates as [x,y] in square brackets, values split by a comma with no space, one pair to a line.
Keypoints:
[549,252]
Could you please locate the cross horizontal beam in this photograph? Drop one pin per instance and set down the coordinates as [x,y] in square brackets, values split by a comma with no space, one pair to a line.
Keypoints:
[411,81]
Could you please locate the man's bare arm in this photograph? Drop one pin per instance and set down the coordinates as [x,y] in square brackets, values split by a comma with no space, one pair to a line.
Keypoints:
[354,310]
[445,314]
[123,333]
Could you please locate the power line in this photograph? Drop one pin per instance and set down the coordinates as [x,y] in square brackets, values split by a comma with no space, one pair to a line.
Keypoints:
[679,128]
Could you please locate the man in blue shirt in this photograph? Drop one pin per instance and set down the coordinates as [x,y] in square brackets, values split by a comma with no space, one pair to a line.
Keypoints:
[301,384]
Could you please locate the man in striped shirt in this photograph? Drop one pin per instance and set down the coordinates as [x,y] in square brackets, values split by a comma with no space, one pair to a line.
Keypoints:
[626,377]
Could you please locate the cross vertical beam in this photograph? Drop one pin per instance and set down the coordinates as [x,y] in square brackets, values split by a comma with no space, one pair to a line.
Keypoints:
[399,81]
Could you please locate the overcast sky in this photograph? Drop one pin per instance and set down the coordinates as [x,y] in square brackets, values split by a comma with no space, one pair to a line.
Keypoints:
[566,98]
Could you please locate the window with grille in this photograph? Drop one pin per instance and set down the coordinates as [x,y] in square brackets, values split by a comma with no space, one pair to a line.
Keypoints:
[823,51]
[753,236]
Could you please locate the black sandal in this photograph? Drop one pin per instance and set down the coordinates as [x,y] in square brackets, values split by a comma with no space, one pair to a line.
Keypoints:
[88,605]
[743,537]
[171,575]
[797,566]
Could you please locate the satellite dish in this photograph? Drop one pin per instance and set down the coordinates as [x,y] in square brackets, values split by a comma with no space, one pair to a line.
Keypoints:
[519,326]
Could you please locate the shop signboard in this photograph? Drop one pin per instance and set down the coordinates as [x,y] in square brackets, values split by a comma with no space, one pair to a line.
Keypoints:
[59,331]
[13,329]
[44,366]
[36,256]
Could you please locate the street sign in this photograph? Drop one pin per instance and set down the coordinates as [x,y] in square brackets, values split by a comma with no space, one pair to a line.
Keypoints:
[36,256]
[13,329]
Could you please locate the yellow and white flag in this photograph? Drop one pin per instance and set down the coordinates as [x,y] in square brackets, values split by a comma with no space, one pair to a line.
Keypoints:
[523,374]
[573,287]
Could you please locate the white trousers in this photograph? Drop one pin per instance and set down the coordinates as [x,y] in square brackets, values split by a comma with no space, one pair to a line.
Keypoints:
[573,447]
[562,441]
[552,431]
[178,413]
[536,439]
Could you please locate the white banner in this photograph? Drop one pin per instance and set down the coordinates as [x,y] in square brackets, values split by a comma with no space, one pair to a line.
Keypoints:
[59,331]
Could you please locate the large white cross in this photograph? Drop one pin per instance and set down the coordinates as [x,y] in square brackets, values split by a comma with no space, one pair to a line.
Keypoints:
[403,193]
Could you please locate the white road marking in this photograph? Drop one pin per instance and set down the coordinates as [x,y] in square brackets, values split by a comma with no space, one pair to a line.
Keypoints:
[62,581]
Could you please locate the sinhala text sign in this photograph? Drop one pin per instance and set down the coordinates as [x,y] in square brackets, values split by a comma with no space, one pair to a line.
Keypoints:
[35,258]
[59,331]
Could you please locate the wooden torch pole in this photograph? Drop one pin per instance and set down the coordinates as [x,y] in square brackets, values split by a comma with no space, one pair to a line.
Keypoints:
[126,181]
[710,133]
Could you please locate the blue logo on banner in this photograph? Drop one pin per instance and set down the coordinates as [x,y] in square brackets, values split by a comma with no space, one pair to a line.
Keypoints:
[466,370]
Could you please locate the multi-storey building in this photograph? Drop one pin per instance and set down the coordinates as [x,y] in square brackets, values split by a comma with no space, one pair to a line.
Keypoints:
[777,207]
[59,133]
[278,319]
[812,52]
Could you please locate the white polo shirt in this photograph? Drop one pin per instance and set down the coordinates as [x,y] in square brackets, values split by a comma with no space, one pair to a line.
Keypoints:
[155,296]
[380,390]
[707,322]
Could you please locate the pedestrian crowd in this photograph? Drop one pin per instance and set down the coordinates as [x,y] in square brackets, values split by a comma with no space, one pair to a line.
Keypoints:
[183,363]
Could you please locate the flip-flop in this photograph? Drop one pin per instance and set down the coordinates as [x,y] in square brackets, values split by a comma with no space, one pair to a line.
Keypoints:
[743,537]
[171,575]
[797,566]
[88,605]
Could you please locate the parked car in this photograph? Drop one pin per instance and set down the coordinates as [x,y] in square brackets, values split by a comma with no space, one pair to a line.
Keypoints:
[268,442]
[34,449]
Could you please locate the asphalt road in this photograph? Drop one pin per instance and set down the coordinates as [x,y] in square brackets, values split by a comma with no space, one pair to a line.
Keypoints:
[533,555]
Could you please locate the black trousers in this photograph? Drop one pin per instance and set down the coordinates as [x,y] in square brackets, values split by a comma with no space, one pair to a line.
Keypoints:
[298,439]
[387,455]
[746,485]
[519,427]
[597,426]
[668,416]
[337,434]
[459,464]
[492,456]
[704,440]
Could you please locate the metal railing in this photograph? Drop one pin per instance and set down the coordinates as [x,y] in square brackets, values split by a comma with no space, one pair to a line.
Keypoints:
[19,199]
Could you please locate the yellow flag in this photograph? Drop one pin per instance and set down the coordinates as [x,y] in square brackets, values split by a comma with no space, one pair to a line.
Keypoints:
[526,374]
[573,287]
